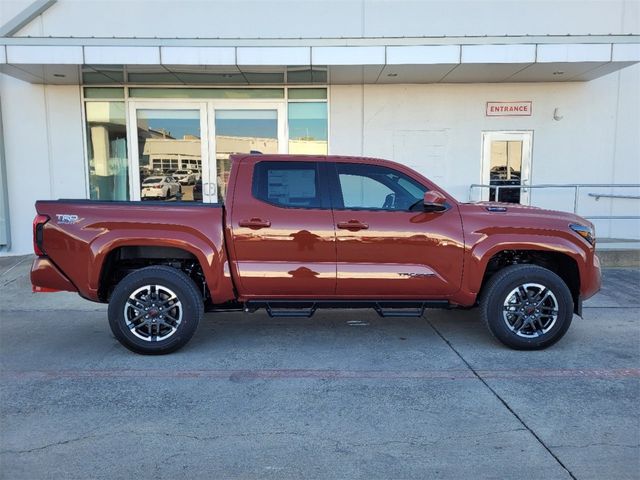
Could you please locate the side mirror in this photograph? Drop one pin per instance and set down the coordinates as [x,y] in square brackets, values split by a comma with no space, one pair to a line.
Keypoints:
[434,201]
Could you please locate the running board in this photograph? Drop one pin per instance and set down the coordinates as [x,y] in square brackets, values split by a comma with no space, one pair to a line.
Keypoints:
[306,309]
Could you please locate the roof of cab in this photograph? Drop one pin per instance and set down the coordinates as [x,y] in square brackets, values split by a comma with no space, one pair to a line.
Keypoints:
[316,158]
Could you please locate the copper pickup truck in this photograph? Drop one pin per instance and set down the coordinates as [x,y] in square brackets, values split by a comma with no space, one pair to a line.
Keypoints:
[297,233]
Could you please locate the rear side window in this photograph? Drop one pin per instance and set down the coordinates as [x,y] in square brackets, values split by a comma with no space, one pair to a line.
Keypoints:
[287,184]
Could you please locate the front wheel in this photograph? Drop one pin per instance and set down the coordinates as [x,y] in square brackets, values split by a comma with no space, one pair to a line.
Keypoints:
[526,307]
[155,310]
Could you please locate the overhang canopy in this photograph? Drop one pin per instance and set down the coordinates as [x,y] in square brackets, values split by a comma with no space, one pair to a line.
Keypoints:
[316,61]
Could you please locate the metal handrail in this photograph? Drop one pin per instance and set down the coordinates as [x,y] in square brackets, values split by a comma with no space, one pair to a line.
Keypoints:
[598,196]
[576,195]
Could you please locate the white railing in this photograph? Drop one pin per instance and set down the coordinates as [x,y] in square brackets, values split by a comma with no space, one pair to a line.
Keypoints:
[577,188]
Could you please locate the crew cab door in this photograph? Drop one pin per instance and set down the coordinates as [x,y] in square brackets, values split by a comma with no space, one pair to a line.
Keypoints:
[283,238]
[385,248]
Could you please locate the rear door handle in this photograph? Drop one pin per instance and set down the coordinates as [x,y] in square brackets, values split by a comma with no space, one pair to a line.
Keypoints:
[353,225]
[255,223]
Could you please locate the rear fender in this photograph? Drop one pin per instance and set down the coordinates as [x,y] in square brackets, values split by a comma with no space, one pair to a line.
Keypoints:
[213,261]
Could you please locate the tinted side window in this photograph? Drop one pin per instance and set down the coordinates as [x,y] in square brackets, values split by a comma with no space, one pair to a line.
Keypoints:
[360,191]
[377,188]
[289,184]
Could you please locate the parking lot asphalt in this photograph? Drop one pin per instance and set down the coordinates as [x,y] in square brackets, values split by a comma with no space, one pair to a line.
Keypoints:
[342,395]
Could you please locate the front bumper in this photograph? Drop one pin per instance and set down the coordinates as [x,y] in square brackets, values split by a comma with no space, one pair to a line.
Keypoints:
[592,282]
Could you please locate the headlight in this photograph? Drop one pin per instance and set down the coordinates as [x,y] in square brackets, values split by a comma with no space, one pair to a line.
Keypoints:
[585,232]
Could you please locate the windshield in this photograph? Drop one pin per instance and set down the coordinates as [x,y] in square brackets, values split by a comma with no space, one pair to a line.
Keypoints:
[152,180]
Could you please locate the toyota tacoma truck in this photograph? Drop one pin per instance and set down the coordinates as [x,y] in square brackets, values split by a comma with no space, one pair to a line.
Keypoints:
[297,233]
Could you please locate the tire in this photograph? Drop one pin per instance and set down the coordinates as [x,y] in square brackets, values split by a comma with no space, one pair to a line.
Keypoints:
[508,307]
[174,323]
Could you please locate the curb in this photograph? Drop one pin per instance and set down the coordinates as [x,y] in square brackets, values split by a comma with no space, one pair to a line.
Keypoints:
[619,258]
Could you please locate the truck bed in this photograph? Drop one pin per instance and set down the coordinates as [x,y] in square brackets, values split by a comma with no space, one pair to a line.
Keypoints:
[81,233]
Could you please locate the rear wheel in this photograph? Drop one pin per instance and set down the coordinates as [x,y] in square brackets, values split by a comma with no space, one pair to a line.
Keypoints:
[527,307]
[155,310]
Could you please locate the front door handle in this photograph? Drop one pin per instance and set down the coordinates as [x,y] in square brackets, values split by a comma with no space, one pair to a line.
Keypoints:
[255,223]
[353,225]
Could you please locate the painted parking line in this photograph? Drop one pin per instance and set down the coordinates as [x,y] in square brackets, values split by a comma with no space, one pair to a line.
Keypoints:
[275,374]
[357,323]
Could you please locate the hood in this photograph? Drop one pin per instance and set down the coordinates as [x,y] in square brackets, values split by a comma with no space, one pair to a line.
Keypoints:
[510,206]
[524,215]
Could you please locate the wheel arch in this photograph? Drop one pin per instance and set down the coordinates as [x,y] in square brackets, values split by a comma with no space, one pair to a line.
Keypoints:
[124,259]
[560,263]
[192,254]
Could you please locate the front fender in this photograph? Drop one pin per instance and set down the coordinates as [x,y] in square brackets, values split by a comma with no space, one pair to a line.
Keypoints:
[477,256]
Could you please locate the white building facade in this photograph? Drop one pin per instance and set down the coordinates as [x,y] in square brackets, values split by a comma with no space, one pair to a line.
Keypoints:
[99,99]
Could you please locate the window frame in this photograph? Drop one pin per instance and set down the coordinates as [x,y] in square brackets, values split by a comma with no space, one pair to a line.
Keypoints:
[337,198]
[322,188]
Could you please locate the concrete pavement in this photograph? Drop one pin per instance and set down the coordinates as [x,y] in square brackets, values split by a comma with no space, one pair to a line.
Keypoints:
[342,395]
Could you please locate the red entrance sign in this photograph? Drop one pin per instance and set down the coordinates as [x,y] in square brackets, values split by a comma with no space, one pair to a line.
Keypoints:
[506,109]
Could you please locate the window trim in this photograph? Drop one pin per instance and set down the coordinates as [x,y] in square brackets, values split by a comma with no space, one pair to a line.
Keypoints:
[322,187]
[337,198]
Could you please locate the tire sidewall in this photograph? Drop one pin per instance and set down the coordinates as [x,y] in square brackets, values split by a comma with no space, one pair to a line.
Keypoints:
[495,304]
[191,309]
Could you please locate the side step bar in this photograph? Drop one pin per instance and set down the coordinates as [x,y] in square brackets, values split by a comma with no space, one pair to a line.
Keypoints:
[306,309]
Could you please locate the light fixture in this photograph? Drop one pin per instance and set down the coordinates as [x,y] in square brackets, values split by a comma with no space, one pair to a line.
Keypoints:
[556,115]
[392,74]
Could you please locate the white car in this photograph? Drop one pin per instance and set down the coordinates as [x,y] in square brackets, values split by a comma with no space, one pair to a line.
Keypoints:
[161,187]
[185,177]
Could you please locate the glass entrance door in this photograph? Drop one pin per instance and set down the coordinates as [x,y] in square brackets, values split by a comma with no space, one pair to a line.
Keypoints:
[180,150]
[506,162]
[168,151]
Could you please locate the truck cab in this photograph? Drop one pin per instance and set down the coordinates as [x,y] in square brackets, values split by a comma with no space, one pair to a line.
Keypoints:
[340,229]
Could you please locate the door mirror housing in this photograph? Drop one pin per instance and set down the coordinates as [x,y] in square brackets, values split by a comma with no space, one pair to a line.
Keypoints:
[434,201]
